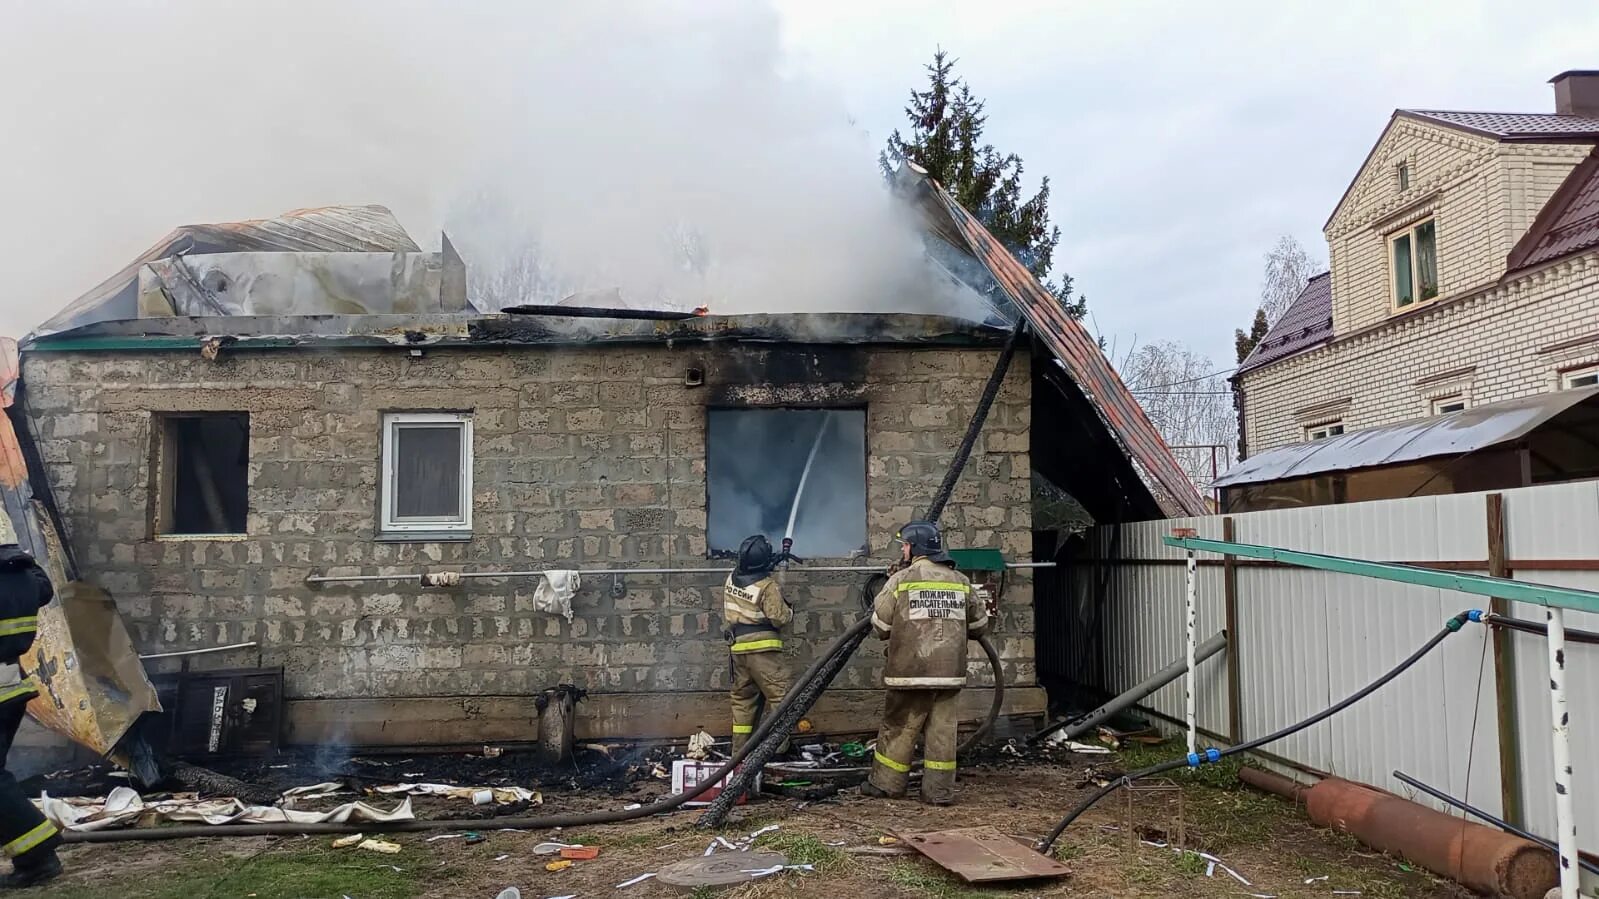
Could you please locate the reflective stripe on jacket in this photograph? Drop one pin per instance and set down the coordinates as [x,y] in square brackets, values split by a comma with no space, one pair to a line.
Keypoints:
[927,612]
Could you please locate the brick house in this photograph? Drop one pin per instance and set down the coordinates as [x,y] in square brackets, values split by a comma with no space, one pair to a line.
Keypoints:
[1464,273]
[216,441]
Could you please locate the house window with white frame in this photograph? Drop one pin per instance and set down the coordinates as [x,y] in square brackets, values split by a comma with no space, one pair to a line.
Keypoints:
[1587,376]
[1324,430]
[1446,404]
[1413,259]
[427,473]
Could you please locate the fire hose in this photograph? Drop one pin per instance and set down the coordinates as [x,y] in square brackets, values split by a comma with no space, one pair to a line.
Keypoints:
[1213,755]
[772,732]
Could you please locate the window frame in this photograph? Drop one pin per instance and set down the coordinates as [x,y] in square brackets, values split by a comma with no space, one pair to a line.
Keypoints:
[392,423]
[162,512]
[1324,430]
[1392,239]
[1438,404]
[1570,375]
[1402,175]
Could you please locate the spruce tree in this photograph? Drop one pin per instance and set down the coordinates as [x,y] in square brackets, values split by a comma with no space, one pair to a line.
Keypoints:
[946,139]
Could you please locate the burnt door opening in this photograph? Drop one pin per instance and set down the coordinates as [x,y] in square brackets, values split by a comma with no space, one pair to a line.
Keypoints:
[755,462]
[205,473]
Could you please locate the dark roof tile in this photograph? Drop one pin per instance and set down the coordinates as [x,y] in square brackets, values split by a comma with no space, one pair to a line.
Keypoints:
[1306,323]
[1568,223]
[1514,125]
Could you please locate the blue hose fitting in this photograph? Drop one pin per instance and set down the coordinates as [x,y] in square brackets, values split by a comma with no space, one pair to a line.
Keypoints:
[1212,755]
[1193,759]
[1476,615]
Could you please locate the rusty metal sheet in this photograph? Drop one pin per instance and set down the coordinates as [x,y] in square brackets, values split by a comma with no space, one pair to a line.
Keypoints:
[983,855]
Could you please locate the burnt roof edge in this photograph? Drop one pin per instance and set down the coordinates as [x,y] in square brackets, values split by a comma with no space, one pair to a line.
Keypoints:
[470,330]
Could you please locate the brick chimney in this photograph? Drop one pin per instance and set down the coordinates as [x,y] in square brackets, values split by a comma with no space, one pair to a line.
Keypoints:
[1577,92]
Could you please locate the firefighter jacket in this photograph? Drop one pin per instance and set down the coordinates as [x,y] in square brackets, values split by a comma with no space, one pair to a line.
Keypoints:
[24,590]
[752,615]
[927,612]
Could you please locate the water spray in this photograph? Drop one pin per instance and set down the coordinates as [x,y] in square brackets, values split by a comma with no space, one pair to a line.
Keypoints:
[799,491]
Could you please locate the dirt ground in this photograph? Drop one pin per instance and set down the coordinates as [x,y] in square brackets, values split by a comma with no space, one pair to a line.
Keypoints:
[1264,840]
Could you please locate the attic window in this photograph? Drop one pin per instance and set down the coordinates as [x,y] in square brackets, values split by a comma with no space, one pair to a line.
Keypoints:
[1323,431]
[755,460]
[1402,174]
[1587,376]
[1413,259]
[204,472]
[1447,404]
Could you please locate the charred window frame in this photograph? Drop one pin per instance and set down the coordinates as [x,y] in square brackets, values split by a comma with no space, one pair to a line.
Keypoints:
[427,473]
[754,460]
[203,474]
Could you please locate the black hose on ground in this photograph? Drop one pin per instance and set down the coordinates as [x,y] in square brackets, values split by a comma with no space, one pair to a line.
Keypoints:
[1215,755]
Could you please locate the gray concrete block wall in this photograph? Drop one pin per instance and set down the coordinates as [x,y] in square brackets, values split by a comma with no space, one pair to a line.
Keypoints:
[584,457]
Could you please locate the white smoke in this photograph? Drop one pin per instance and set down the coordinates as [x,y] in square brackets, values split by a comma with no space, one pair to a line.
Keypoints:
[658,148]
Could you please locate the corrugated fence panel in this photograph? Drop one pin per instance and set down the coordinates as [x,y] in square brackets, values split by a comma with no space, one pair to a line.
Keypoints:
[1308,639]
[1557,522]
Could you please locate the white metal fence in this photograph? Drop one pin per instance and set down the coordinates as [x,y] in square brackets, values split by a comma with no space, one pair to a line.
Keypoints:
[1305,639]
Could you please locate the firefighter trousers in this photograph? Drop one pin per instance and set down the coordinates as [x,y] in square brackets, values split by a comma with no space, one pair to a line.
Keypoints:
[26,836]
[757,676]
[932,715]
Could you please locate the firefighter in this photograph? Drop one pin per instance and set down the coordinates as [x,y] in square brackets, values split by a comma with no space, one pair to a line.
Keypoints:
[927,611]
[27,837]
[753,612]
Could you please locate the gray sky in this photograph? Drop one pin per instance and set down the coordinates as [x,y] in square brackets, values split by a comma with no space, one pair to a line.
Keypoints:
[1181,138]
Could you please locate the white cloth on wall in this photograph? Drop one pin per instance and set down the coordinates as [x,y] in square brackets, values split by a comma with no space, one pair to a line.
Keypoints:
[554,593]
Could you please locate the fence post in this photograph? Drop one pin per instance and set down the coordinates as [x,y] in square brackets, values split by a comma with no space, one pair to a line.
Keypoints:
[1235,689]
[1565,815]
[1191,586]
[1504,671]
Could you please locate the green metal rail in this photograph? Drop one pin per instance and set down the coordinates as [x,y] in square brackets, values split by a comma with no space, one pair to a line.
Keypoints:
[1478,584]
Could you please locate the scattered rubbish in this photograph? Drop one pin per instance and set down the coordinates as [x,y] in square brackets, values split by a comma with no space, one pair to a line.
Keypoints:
[984,855]
[477,795]
[887,841]
[726,869]
[383,846]
[687,774]
[509,893]
[699,746]
[631,806]
[552,848]
[442,836]
[493,752]
[350,840]
[767,872]
[501,857]
[637,880]
[473,836]
[580,853]
[395,868]
[853,750]
[561,865]
[1316,879]
[125,806]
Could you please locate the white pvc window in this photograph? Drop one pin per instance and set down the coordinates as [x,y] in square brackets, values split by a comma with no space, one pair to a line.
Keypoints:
[1323,431]
[1448,404]
[1580,377]
[427,472]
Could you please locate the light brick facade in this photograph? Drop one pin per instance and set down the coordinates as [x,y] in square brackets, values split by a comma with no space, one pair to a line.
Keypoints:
[1484,338]
[587,457]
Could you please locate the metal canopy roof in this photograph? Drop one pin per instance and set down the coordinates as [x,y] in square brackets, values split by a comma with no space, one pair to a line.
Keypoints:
[1443,435]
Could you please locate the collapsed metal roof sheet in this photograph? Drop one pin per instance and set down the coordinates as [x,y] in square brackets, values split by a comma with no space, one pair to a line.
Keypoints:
[329,229]
[1078,354]
[1444,435]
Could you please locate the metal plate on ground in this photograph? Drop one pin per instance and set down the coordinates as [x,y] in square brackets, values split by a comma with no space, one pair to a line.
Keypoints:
[983,855]
[720,870]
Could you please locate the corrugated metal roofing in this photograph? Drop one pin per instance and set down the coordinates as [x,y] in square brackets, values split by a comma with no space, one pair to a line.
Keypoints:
[1568,223]
[1444,435]
[1307,322]
[1513,125]
[1076,351]
[328,229]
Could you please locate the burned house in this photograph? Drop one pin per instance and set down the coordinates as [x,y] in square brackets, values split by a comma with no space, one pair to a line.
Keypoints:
[298,438]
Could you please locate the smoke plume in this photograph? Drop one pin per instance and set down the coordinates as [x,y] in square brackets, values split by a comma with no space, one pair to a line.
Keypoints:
[657,148]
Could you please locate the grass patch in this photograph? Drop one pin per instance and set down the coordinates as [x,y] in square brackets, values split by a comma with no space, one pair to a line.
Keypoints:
[625,841]
[270,875]
[1190,863]
[1221,812]
[935,884]
[805,849]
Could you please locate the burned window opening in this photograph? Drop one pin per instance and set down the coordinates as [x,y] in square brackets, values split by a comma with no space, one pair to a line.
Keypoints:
[755,460]
[205,474]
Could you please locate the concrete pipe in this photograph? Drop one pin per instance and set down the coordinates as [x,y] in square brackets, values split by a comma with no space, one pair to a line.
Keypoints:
[1482,858]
